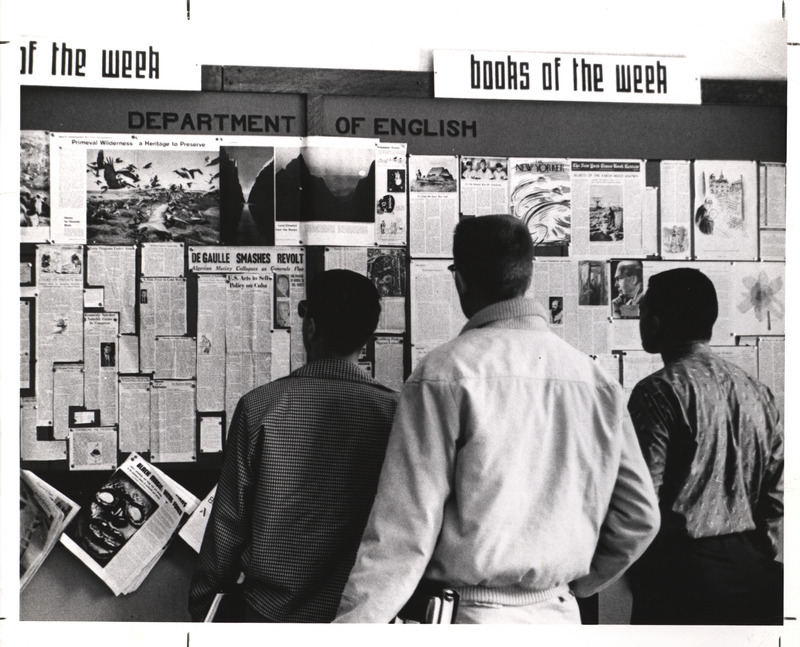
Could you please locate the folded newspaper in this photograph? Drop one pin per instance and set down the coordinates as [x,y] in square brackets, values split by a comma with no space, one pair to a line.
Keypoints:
[129,523]
[44,512]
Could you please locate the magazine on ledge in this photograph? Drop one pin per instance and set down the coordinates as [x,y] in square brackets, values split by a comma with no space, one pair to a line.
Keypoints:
[129,523]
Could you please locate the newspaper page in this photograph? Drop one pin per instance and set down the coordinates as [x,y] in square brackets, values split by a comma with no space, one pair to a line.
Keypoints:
[389,361]
[128,353]
[637,365]
[611,363]
[576,295]
[211,291]
[123,189]
[386,268]
[162,311]
[248,334]
[483,186]
[725,210]
[34,186]
[176,357]
[113,268]
[44,513]
[391,191]
[436,315]
[433,204]
[194,529]
[26,308]
[286,261]
[59,317]
[607,207]
[676,209]
[67,191]
[650,245]
[540,194]
[210,432]
[134,413]
[325,192]
[172,421]
[127,522]
[67,392]
[759,298]
[745,357]
[100,348]
[721,276]
[163,259]
[92,448]
[772,245]
[31,448]
[772,195]
[772,367]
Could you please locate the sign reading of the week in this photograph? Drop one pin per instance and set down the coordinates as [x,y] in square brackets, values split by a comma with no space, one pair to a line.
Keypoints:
[75,62]
[465,74]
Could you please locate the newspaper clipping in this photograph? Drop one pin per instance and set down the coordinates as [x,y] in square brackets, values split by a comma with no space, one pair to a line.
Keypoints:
[433,204]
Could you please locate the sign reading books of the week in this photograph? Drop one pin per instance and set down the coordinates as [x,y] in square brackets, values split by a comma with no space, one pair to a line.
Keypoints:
[114,63]
[467,74]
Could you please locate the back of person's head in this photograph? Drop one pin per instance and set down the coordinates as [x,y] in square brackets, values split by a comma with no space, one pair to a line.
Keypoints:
[685,302]
[345,307]
[494,254]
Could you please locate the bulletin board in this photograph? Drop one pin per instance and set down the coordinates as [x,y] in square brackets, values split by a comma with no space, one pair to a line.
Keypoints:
[167,238]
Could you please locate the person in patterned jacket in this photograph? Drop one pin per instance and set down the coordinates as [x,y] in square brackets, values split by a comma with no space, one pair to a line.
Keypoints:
[301,467]
[712,437]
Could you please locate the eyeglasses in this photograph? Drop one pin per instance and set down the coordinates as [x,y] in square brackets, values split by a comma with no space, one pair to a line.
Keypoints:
[302,309]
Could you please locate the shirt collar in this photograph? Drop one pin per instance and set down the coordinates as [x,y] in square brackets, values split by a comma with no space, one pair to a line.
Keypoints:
[334,369]
[512,313]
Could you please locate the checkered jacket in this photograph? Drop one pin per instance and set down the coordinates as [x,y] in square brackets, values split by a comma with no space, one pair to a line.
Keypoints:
[299,475]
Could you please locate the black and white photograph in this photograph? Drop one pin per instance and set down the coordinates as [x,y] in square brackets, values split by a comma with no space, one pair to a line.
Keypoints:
[114,514]
[627,289]
[108,354]
[592,283]
[484,168]
[282,286]
[386,268]
[556,310]
[320,183]
[396,180]
[34,181]
[605,213]
[441,178]
[247,195]
[283,313]
[136,196]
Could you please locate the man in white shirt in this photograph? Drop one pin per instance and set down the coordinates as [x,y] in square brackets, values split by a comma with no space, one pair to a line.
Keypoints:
[513,473]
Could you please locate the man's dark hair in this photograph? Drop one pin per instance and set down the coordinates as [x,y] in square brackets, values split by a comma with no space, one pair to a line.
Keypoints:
[685,301]
[345,307]
[494,254]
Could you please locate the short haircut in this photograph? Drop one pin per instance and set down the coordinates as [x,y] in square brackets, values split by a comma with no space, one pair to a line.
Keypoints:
[494,254]
[345,307]
[630,268]
[685,301]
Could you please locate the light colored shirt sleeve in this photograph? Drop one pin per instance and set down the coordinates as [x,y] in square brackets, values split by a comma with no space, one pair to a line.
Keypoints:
[406,518]
[631,522]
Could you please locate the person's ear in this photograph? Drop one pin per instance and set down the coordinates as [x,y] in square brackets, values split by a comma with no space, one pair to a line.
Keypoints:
[461,285]
[311,327]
